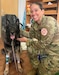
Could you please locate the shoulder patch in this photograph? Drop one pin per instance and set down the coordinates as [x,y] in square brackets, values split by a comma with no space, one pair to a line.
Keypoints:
[44,31]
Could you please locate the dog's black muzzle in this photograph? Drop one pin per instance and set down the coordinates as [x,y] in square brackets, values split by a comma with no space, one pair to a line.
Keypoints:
[12,35]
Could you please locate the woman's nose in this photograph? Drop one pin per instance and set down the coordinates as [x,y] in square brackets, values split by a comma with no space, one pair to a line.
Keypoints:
[33,13]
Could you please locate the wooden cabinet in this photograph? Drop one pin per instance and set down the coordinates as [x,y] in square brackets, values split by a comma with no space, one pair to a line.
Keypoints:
[28,11]
[51,8]
[58,12]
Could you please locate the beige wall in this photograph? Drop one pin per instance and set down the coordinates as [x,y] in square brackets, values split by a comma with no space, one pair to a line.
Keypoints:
[8,7]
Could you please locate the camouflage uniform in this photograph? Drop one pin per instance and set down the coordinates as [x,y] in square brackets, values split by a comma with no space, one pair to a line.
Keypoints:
[44,53]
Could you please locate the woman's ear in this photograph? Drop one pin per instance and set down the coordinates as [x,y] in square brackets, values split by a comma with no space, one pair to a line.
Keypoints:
[42,11]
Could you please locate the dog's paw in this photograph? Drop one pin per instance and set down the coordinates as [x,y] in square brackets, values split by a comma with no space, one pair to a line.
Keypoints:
[6,72]
[20,69]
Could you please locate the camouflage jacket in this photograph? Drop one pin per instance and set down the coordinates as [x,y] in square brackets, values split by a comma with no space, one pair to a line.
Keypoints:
[47,45]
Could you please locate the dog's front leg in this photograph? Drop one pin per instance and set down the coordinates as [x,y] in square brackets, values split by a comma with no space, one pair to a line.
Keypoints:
[18,62]
[6,71]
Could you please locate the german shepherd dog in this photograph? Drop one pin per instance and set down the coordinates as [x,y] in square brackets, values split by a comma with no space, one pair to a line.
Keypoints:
[11,31]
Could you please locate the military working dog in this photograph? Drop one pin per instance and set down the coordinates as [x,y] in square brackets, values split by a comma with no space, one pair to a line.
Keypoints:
[11,31]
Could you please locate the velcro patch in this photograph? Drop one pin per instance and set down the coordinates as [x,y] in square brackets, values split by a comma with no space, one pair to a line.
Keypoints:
[44,31]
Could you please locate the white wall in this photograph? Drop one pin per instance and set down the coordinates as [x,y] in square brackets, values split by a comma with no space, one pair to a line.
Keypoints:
[22,11]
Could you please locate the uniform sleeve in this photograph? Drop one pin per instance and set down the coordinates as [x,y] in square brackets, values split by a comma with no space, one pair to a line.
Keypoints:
[51,27]
[24,33]
[32,31]
[32,40]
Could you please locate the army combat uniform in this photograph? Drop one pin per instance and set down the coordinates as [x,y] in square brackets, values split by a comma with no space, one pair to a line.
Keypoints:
[44,51]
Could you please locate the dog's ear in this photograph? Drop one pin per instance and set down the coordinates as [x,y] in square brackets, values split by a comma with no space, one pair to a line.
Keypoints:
[7,22]
[17,21]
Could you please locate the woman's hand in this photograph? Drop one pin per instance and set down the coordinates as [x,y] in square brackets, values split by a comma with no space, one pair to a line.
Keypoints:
[23,39]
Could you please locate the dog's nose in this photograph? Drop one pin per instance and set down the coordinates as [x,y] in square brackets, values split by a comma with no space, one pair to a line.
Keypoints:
[12,33]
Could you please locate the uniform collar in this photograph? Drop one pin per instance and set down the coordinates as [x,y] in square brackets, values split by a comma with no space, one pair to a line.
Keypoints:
[42,19]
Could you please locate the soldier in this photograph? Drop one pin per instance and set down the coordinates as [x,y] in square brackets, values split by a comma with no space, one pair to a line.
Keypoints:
[42,43]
